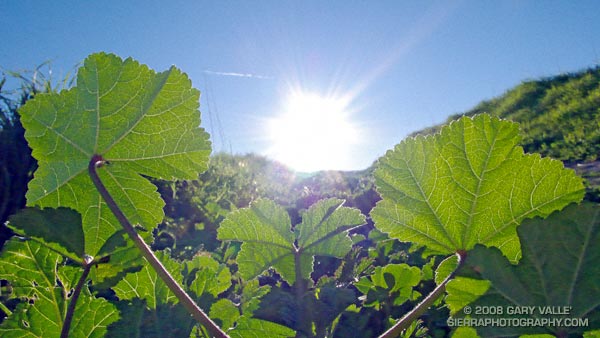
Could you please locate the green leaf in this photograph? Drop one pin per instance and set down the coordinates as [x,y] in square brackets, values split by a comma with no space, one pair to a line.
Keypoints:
[207,276]
[142,122]
[146,284]
[265,230]
[560,268]
[323,228]
[59,228]
[117,256]
[92,317]
[402,276]
[256,328]
[226,312]
[252,295]
[463,291]
[268,241]
[238,325]
[445,269]
[36,275]
[470,184]
[465,332]
[393,281]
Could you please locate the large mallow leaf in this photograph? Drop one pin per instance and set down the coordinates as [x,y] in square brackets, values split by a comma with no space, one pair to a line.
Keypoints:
[470,184]
[44,284]
[268,240]
[141,122]
[555,285]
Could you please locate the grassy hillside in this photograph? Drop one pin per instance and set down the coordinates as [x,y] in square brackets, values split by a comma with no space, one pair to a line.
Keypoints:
[559,118]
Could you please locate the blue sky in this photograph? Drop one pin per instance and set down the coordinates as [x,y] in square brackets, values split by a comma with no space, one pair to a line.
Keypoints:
[403,65]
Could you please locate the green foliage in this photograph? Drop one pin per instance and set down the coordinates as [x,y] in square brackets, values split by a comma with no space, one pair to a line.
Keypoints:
[463,290]
[393,284]
[251,328]
[146,284]
[59,228]
[140,121]
[298,263]
[268,241]
[194,209]
[445,269]
[458,188]
[42,282]
[203,277]
[560,268]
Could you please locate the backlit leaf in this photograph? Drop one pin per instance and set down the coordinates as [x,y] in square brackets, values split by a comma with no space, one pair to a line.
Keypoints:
[207,276]
[323,228]
[445,269]
[146,284]
[36,275]
[268,241]
[226,312]
[142,122]
[463,290]
[384,281]
[470,184]
[256,328]
[59,228]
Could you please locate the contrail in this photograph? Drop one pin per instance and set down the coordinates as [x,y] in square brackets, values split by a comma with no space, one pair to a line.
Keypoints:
[247,75]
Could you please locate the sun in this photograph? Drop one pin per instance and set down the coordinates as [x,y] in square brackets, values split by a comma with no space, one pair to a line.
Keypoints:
[313,133]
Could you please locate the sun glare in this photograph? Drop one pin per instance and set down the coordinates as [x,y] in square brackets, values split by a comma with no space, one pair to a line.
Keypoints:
[313,133]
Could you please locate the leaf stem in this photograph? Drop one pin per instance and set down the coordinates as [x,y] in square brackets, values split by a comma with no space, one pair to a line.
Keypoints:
[184,298]
[87,266]
[413,315]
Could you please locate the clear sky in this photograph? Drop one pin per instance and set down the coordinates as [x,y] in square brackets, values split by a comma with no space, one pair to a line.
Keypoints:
[392,67]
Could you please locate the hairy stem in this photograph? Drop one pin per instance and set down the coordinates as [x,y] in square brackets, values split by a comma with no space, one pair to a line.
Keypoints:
[162,272]
[87,266]
[413,315]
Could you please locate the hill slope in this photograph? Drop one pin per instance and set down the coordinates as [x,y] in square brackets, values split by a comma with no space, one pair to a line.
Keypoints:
[559,118]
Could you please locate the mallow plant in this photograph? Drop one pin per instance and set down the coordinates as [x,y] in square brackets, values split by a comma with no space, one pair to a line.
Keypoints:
[82,267]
